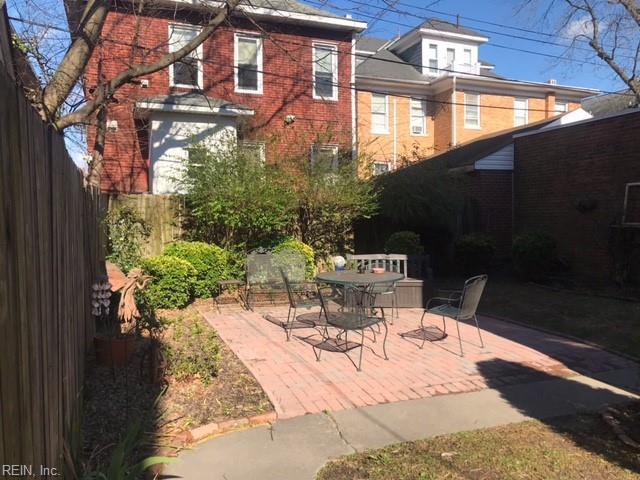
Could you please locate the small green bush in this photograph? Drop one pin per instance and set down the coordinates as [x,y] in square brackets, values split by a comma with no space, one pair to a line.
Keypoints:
[306,251]
[172,284]
[404,242]
[192,350]
[474,252]
[126,233]
[210,262]
[534,255]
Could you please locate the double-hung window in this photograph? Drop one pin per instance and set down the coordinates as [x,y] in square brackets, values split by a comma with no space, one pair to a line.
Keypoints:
[248,63]
[562,107]
[379,113]
[451,57]
[520,111]
[325,71]
[467,56]
[186,72]
[433,59]
[471,110]
[418,116]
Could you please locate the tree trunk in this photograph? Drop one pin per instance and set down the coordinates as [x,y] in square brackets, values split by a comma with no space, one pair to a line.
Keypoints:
[97,156]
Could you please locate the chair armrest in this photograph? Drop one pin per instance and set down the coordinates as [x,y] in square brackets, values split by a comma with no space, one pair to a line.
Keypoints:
[440,301]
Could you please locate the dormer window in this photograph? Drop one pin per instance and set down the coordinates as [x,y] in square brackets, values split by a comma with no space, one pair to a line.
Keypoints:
[467,56]
[433,59]
[451,56]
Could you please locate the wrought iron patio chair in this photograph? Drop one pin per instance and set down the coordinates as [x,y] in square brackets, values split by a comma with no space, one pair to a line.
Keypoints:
[354,316]
[263,272]
[459,306]
[385,289]
[301,295]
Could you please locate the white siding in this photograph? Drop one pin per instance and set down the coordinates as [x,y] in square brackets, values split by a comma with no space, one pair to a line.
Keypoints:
[171,136]
[499,160]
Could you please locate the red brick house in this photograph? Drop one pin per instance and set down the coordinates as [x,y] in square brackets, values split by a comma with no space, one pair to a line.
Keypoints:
[278,75]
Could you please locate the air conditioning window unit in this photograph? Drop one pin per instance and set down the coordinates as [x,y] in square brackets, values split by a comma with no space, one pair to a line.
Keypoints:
[416,130]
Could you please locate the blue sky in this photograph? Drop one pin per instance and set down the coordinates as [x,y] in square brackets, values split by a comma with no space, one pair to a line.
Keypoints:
[509,63]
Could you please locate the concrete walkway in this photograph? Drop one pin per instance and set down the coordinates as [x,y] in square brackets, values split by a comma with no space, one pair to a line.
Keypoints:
[296,448]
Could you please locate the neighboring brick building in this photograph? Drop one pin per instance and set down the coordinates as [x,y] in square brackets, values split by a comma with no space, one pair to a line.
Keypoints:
[427,91]
[277,75]
[570,182]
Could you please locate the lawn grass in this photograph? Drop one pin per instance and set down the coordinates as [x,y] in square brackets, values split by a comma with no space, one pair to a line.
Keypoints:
[608,322]
[578,447]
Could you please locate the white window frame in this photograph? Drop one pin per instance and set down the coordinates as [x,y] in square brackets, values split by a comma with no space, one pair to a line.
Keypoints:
[450,63]
[335,150]
[384,131]
[236,57]
[380,162]
[433,69]
[516,110]
[470,58]
[261,148]
[199,57]
[467,103]
[334,67]
[423,105]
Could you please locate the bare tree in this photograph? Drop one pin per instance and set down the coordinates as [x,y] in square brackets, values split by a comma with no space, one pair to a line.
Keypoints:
[87,18]
[611,28]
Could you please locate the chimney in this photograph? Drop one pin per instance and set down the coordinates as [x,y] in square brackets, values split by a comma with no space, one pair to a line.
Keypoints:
[552,81]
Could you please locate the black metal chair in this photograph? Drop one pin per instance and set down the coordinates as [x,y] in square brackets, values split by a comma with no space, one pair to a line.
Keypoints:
[383,290]
[301,295]
[459,306]
[353,316]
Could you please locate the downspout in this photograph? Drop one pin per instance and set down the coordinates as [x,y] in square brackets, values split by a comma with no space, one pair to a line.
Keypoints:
[395,133]
[354,104]
[454,107]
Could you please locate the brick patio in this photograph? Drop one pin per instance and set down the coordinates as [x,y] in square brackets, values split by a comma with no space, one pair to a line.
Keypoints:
[298,384]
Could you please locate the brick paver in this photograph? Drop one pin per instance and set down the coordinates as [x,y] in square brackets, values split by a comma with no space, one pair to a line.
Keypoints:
[297,384]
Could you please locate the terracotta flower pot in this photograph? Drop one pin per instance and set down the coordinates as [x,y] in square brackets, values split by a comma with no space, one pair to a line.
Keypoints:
[114,352]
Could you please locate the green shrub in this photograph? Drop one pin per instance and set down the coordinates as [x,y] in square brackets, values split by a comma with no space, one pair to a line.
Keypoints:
[210,262]
[126,232]
[534,255]
[172,284]
[306,251]
[192,350]
[404,242]
[474,252]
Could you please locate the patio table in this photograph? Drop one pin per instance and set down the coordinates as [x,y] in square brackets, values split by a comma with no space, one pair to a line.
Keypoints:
[353,278]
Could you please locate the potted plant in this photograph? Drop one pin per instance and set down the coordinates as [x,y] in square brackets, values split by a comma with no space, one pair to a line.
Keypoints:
[116,331]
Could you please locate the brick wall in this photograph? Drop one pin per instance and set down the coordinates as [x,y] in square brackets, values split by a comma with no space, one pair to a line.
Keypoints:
[287,90]
[557,169]
[381,147]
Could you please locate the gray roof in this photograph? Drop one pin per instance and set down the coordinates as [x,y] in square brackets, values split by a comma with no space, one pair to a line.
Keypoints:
[193,99]
[488,64]
[383,65]
[370,44]
[444,26]
[291,6]
[601,105]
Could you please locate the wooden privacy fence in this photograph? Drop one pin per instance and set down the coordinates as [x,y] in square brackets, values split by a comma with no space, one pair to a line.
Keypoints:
[50,254]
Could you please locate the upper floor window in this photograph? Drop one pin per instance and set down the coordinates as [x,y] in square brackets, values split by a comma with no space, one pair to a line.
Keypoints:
[324,155]
[379,113]
[467,56]
[471,110]
[418,116]
[325,71]
[433,59]
[562,107]
[248,63]
[186,72]
[451,56]
[520,111]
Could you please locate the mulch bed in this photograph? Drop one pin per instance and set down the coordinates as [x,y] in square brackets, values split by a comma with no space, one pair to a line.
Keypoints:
[114,399]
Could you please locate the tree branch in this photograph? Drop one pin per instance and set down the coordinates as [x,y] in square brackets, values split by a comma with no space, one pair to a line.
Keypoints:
[105,91]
